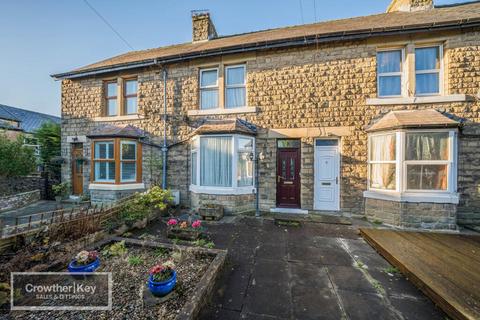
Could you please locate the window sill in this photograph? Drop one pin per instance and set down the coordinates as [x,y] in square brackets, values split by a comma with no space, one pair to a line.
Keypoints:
[222,190]
[221,111]
[432,197]
[419,100]
[114,187]
[119,118]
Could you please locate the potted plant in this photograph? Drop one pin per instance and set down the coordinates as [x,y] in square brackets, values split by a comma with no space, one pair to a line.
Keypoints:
[162,278]
[84,261]
[183,229]
[211,211]
[60,190]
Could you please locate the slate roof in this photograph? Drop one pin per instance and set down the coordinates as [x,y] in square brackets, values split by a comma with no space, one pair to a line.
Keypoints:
[111,131]
[452,16]
[403,119]
[29,120]
[226,126]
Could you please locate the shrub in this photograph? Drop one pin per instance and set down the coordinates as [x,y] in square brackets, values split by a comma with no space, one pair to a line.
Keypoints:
[61,189]
[134,210]
[158,198]
[49,139]
[115,250]
[135,260]
[15,158]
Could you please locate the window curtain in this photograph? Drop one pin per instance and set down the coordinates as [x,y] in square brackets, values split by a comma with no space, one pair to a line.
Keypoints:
[209,98]
[216,161]
[389,61]
[244,164]
[427,146]
[382,175]
[235,97]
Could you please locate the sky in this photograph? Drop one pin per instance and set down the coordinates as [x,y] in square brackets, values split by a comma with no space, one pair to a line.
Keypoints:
[43,37]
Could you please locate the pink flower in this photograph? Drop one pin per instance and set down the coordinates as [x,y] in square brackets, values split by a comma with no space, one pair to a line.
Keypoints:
[156,269]
[172,222]
[196,224]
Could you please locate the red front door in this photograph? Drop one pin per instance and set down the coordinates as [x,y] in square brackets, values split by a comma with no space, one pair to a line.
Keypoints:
[288,178]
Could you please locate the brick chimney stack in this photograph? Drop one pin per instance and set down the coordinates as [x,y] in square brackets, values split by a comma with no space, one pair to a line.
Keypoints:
[410,5]
[203,28]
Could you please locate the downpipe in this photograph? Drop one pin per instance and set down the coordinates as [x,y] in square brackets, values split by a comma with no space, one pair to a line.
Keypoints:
[164,146]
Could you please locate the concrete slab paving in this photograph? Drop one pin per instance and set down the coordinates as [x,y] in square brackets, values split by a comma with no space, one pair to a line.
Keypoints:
[308,272]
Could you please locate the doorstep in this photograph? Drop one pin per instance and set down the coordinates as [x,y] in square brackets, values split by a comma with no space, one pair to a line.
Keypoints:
[288,210]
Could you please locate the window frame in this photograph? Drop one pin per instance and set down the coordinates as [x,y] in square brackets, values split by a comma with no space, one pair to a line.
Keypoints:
[236,86]
[234,189]
[401,193]
[117,142]
[440,71]
[108,98]
[401,73]
[126,96]
[95,160]
[395,162]
[122,161]
[215,87]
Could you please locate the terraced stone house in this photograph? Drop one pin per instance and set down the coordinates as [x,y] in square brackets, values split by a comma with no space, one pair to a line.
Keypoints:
[374,116]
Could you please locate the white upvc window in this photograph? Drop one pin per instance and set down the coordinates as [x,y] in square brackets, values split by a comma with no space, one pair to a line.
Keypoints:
[209,88]
[413,165]
[428,70]
[222,164]
[235,86]
[390,79]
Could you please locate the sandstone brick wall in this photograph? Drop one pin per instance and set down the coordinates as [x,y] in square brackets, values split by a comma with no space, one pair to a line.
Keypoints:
[436,216]
[233,204]
[321,86]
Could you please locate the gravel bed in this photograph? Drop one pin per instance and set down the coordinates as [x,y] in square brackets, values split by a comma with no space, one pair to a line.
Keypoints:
[129,282]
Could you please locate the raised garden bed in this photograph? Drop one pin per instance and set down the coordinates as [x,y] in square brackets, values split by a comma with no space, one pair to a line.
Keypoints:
[211,212]
[183,234]
[197,269]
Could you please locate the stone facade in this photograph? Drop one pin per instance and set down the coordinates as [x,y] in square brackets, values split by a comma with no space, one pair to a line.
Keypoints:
[233,204]
[439,216]
[322,86]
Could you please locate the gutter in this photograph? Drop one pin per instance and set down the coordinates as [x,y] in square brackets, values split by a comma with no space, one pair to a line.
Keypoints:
[283,43]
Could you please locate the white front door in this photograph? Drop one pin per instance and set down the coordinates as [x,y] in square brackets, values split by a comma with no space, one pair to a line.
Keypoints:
[327,171]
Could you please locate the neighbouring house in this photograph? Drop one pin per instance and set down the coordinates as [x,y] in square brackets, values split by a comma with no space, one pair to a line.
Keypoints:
[374,116]
[15,121]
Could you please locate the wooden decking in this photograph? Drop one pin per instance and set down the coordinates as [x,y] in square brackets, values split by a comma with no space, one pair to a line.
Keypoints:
[446,267]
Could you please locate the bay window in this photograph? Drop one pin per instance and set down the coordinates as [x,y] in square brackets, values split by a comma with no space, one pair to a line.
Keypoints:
[222,164]
[209,88]
[413,163]
[116,161]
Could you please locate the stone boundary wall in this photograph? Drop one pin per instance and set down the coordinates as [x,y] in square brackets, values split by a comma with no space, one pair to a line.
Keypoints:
[14,185]
[19,200]
[434,216]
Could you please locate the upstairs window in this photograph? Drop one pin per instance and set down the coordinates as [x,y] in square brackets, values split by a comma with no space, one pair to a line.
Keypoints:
[130,96]
[209,88]
[389,73]
[111,97]
[235,91]
[427,70]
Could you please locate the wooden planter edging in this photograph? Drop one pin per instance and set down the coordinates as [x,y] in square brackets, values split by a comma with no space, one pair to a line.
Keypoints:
[183,234]
[203,289]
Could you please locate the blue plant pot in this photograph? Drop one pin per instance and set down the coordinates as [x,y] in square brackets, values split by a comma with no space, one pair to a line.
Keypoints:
[162,288]
[73,267]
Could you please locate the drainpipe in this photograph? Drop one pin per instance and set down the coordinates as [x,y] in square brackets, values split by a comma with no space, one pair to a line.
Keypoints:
[164,146]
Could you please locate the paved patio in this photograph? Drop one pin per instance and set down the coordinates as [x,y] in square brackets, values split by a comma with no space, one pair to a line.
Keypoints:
[317,271]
